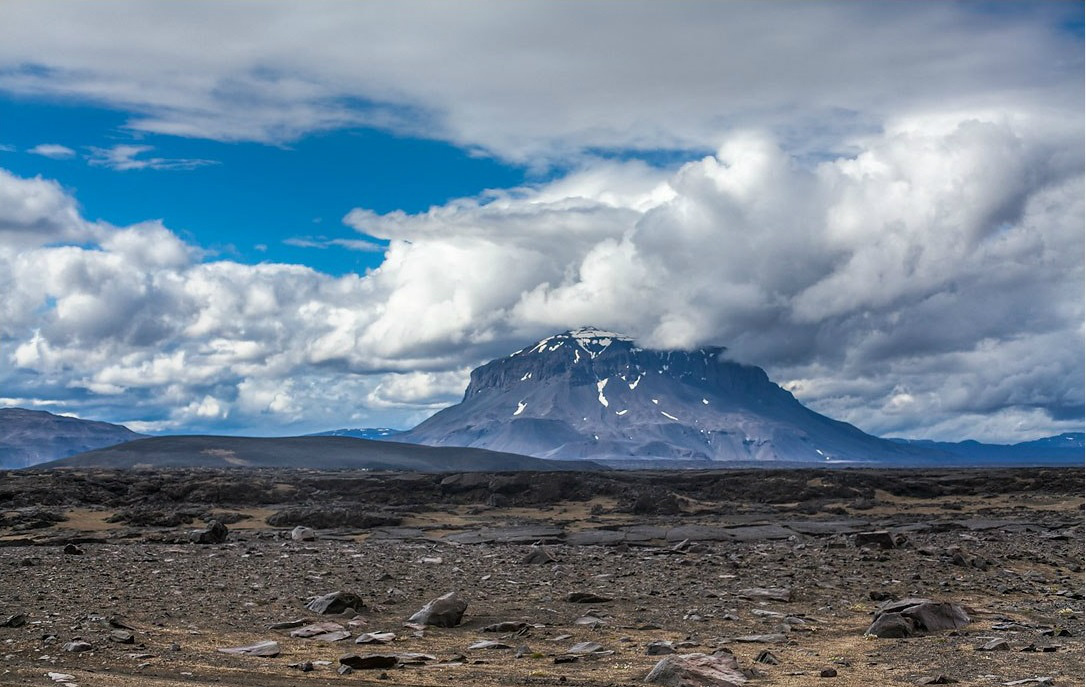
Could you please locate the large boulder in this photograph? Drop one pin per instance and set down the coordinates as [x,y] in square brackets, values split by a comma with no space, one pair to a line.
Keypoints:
[898,619]
[697,670]
[444,611]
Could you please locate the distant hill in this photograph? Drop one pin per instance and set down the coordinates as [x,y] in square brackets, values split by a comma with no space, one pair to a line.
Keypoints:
[591,394]
[29,437]
[306,452]
[376,433]
[1069,447]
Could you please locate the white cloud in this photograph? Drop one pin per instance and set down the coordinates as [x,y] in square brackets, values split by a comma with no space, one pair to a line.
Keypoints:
[891,218]
[536,80]
[126,157]
[53,151]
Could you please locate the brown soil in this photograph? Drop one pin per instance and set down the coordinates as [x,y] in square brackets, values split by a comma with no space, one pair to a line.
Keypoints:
[185,601]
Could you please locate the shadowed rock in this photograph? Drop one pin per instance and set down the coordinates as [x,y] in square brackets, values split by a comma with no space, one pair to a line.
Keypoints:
[214,533]
[369,661]
[897,619]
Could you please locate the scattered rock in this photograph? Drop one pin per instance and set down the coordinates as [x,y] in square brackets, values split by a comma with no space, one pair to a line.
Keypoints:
[879,539]
[538,556]
[897,619]
[702,670]
[78,646]
[335,602]
[506,626]
[122,637]
[586,598]
[73,550]
[768,657]
[369,661]
[375,638]
[766,594]
[827,672]
[659,647]
[315,629]
[445,611]
[268,649]
[302,533]
[937,680]
[17,620]
[995,644]
[214,533]
[488,644]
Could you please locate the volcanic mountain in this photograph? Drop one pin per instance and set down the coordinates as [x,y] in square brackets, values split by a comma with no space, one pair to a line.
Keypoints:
[28,437]
[593,394]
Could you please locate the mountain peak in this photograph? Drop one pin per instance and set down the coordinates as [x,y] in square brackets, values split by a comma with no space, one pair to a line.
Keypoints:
[589,392]
[591,340]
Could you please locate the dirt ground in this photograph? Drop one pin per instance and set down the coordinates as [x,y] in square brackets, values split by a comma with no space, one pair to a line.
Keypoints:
[1008,550]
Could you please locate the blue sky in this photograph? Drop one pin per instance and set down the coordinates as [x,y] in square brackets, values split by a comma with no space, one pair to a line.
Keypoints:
[323,215]
[246,201]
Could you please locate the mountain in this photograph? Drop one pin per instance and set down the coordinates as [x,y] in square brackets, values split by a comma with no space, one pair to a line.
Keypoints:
[1069,447]
[324,453]
[28,437]
[367,433]
[588,393]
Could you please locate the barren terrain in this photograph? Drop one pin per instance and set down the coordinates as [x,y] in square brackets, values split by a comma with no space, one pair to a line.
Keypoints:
[752,561]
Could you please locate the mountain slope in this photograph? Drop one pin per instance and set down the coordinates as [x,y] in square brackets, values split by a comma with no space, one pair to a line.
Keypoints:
[307,452]
[1066,448]
[358,433]
[28,437]
[594,394]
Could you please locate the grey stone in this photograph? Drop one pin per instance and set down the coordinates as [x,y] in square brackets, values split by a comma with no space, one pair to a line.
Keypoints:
[445,611]
[302,533]
[335,602]
[766,594]
[660,647]
[877,539]
[261,649]
[214,533]
[697,670]
[315,629]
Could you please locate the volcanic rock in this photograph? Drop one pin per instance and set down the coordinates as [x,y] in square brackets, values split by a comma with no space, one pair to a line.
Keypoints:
[896,619]
[335,602]
[586,598]
[369,661]
[302,533]
[214,533]
[697,670]
[268,649]
[444,611]
[879,539]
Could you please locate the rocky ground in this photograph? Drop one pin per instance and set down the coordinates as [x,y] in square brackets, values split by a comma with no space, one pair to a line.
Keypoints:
[590,579]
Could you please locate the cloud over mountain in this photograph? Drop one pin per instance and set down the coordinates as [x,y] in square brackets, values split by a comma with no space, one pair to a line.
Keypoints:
[881,204]
[929,280]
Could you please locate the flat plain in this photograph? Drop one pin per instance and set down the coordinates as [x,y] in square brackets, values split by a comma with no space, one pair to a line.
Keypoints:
[584,572]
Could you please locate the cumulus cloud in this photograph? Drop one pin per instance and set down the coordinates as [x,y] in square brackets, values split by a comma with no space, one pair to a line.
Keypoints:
[926,284]
[54,151]
[38,211]
[534,80]
[126,157]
